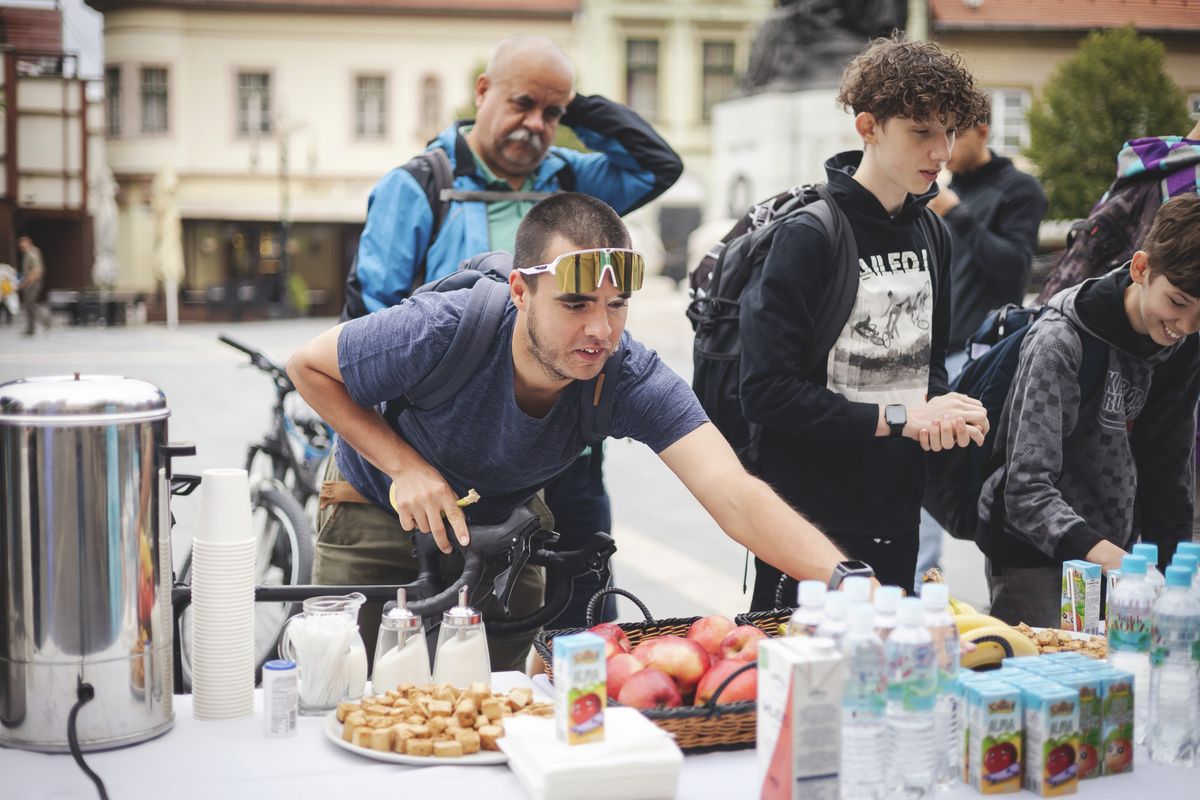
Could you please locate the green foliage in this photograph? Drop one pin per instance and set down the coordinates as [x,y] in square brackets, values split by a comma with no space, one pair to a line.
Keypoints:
[1112,90]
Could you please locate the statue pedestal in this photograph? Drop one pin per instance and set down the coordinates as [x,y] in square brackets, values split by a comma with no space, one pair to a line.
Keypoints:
[766,143]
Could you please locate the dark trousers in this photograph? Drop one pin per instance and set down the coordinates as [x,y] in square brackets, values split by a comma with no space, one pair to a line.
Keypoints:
[894,561]
[581,507]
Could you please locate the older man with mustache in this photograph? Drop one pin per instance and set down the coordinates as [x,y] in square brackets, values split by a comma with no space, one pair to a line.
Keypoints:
[467,193]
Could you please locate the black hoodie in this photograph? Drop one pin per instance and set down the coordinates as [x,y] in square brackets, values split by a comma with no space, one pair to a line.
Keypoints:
[819,449]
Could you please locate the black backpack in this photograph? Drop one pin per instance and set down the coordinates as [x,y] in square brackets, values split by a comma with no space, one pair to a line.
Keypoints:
[486,275]
[734,264]
[956,477]
[432,171]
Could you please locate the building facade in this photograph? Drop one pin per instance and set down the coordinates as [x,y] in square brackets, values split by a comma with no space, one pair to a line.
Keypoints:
[276,117]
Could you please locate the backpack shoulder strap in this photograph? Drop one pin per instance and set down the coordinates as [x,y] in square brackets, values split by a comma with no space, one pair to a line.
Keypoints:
[432,171]
[843,286]
[477,329]
[596,398]
[938,237]
[1093,366]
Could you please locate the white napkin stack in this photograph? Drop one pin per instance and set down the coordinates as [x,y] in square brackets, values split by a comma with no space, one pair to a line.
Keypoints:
[636,761]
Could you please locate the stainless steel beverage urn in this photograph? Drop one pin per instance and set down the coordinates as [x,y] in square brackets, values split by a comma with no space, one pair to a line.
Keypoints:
[85,562]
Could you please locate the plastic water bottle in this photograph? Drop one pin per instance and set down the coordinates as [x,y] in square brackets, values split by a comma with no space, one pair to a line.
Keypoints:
[1192,564]
[886,600]
[935,598]
[857,588]
[912,696]
[864,705]
[1155,578]
[1128,628]
[810,609]
[1175,672]
[834,625]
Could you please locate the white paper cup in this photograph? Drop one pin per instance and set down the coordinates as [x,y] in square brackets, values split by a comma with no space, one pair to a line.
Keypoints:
[225,506]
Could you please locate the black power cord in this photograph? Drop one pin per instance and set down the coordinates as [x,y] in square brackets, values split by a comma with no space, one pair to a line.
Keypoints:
[84,694]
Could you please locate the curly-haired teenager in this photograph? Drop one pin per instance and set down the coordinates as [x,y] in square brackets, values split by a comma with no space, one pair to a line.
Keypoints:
[1091,469]
[844,442]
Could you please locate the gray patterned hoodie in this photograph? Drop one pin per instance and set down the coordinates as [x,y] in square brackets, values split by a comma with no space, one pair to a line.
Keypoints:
[1117,465]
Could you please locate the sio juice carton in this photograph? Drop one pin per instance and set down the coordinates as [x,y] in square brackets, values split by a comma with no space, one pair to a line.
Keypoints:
[994,738]
[800,686]
[580,684]
[1081,597]
[1116,723]
[1091,719]
[1051,738]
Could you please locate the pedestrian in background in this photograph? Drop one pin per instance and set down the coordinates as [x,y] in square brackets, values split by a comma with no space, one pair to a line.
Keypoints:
[33,274]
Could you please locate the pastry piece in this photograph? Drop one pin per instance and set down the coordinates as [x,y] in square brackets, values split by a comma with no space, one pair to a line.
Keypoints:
[419,747]
[470,741]
[488,735]
[450,749]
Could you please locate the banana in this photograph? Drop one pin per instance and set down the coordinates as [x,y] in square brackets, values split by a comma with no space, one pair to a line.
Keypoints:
[958,607]
[994,643]
[969,622]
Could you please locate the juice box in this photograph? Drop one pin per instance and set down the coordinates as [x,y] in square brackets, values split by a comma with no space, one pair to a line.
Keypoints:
[1088,685]
[1051,738]
[1022,662]
[580,684]
[994,738]
[800,686]
[1080,597]
[1116,725]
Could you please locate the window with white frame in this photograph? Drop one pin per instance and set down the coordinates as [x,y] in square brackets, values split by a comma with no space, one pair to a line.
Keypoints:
[429,114]
[253,103]
[154,99]
[641,76]
[1194,105]
[1010,122]
[719,82]
[112,100]
[370,106]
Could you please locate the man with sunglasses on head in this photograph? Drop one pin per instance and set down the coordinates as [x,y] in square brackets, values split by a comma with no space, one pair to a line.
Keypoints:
[516,424]
[497,166]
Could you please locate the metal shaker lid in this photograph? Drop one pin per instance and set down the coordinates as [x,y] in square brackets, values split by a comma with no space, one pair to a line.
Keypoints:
[397,617]
[80,400]
[462,614]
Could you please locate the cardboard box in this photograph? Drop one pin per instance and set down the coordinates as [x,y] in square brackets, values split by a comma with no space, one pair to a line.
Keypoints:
[800,685]
[995,740]
[1080,597]
[1051,713]
[580,687]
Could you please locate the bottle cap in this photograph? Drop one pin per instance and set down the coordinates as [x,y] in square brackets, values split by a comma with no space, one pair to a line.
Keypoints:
[935,596]
[1147,551]
[397,617]
[1133,565]
[818,645]
[1179,576]
[461,615]
[811,593]
[1187,561]
[860,616]
[887,598]
[910,611]
[280,663]
[857,588]
[836,604]
[1188,548]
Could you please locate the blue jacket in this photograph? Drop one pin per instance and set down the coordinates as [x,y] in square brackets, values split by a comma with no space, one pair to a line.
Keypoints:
[630,166]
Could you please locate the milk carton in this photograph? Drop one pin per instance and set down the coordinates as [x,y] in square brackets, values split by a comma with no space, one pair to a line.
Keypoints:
[580,686]
[1051,738]
[800,684]
[1080,597]
[994,738]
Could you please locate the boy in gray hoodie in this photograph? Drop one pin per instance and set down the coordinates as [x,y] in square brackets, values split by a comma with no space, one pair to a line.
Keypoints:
[1090,470]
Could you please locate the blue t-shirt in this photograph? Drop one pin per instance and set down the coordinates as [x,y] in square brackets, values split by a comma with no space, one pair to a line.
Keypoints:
[480,438]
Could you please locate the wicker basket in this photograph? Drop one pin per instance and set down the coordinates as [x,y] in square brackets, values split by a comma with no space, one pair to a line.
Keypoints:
[766,621]
[713,726]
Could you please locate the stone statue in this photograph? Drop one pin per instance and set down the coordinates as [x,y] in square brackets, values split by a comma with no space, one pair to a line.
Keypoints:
[805,44]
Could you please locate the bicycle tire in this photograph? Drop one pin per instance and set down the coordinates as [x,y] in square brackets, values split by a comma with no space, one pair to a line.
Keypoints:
[274,511]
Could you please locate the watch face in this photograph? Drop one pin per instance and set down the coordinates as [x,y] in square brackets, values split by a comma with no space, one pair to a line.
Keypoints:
[856,567]
[895,415]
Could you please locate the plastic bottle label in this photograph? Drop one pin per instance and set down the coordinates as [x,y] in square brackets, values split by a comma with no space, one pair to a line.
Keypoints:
[866,692]
[1129,631]
[914,683]
[1182,636]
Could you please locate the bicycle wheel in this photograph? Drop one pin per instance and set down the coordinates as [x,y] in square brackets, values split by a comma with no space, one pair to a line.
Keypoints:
[283,556]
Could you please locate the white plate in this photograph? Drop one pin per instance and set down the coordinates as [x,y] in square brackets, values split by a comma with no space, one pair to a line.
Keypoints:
[333,731]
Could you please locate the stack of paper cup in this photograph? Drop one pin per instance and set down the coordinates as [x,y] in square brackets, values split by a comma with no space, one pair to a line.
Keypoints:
[222,616]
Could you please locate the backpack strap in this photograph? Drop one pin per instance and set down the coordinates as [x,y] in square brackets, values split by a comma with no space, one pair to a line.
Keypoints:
[938,238]
[1093,366]
[596,398]
[477,329]
[839,296]
[440,180]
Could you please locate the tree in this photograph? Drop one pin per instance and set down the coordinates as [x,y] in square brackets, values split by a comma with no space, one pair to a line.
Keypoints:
[1112,90]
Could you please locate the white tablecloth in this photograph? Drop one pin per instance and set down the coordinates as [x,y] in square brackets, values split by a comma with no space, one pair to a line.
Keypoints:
[232,760]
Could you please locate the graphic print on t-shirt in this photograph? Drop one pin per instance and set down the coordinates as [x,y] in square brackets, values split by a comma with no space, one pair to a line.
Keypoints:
[882,354]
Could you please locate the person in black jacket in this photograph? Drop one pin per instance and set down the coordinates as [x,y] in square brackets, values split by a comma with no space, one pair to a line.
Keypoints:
[992,211]
[843,442]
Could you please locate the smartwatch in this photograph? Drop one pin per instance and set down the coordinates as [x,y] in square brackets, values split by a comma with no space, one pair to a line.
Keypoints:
[847,568]
[896,417]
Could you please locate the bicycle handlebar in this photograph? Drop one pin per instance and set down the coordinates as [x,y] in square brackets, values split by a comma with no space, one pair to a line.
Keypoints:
[263,361]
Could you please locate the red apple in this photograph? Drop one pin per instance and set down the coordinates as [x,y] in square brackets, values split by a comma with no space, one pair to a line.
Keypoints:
[684,660]
[615,640]
[742,643]
[708,632]
[619,668]
[743,687]
[650,688]
[644,649]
